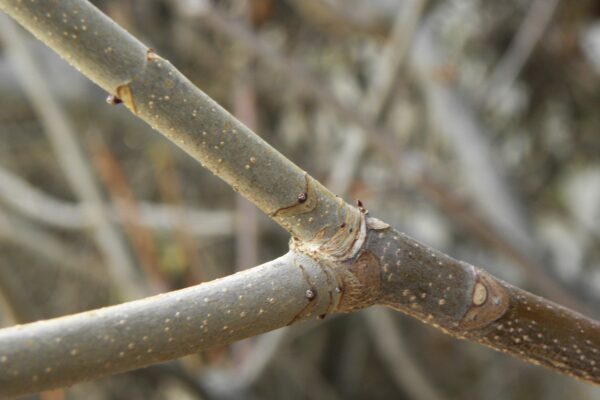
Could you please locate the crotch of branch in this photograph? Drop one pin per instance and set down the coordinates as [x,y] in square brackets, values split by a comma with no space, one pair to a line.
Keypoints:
[347,261]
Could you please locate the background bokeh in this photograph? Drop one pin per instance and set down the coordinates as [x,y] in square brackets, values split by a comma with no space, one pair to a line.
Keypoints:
[472,125]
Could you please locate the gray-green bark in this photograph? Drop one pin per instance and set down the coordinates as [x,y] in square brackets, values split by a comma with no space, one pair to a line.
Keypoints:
[349,260]
[159,94]
[419,178]
[62,351]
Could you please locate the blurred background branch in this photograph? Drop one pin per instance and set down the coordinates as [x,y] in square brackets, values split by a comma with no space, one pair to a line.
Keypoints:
[73,163]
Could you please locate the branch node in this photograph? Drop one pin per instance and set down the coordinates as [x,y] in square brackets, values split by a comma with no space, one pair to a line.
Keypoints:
[125,95]
[113,100]
[490,301]
[376,224]
[151,55]
[305,201]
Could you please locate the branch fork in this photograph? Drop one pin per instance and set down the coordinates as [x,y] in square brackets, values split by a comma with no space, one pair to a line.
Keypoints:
[340,259]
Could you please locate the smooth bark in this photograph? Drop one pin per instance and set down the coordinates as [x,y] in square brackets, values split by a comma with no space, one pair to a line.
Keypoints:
[131,335]
[342,260]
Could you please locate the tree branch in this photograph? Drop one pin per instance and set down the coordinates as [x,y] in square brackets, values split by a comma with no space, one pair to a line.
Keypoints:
[485,229]
[93,344]
[36,204]
[530,31]
[47,247]
[159,94]
[394,352]
[341,259]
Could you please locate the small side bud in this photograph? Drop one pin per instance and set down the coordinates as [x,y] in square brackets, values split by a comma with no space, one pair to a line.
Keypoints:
[113,100]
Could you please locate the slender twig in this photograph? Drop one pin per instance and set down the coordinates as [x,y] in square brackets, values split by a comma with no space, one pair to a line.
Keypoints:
[36,204]
[394,352]
[8,314]
[115,181]
[483,174]
[341,259]
[380,88]
[244,108]
[47,246]
[510,65]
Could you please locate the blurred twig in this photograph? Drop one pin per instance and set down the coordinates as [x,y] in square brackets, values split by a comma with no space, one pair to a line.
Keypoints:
[381,86]
[265,348]
[393,351]
[8,314]
[46,246]
[483,173]
[510,65]
[171,192]
[35,204]
[300,370]
[360,20]
[73,162]
[388,67]
[115,181]
[239,380]
[244,108]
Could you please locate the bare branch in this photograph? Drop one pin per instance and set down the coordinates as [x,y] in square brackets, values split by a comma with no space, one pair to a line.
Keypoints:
[45,245]
[89,345]
[394,352]
[483,173]
[531,30]
[382,83]
[487,229]
[468,303]
[341,259]
[159,94]
[35,204]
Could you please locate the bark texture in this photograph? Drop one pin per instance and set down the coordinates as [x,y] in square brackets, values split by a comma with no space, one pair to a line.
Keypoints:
[342,260]
[63,351]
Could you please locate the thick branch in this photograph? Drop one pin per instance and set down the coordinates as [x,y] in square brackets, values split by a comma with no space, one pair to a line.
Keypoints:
[468,303]
[93,344]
